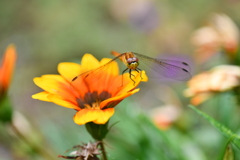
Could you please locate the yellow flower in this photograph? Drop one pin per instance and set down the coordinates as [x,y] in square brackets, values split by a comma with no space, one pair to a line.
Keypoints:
[93,94]
[6,68]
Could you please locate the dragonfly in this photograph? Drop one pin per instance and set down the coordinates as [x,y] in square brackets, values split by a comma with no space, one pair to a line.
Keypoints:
[172,69]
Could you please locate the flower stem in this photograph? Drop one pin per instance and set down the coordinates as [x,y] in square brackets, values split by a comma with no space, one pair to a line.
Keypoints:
[104,156]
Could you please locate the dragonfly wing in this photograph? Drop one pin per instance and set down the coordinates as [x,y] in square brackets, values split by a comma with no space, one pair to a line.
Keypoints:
[167,68]
[98,77]
[97,70]
[119,55]
[176,63]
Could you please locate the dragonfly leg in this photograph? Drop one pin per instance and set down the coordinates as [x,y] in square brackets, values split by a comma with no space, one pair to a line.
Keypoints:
[130,72]
[130,76]
[138,69]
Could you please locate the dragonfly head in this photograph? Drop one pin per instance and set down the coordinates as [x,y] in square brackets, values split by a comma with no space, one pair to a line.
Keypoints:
[132,63]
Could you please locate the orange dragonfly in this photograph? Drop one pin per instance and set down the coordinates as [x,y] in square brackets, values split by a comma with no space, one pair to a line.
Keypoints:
[177,70]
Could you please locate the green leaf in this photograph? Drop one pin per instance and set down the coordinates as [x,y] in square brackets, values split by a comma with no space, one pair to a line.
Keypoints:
[146,122]
[223,129]
[228,155]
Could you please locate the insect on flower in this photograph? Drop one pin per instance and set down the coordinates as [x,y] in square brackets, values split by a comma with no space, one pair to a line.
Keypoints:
[176,70]
[94,95]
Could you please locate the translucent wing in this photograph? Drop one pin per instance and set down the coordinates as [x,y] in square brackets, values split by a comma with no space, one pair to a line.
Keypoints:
[176,63]
[98,70]
[100,77]
[168,68]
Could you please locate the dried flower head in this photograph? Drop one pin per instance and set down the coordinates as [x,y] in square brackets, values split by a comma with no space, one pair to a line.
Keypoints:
[87,151]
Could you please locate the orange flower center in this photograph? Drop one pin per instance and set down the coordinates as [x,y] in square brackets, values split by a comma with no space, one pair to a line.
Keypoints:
[92,100]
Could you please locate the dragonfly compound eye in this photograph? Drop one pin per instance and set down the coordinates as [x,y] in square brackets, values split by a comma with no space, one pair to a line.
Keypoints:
[135,59]
[129,60]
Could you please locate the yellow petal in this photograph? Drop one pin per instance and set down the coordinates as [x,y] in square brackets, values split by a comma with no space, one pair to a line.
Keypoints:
[143,76]
[104,116]
[52,84]
[111,68]
[46,84]
[86,115]
[69,70]
[89,62]
[128,84]
[93,115]
[41,96]
[111,102]
[62,102]
[58,78]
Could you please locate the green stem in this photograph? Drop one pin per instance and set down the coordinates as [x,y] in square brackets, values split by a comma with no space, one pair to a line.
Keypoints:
[104,155]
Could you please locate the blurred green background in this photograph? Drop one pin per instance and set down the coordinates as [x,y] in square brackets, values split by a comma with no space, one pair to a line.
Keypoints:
[48,32]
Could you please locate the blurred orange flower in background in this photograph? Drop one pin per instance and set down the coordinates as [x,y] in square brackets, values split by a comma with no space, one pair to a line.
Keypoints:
[93,94]
[6,68]
[221,33]
[164,116]
[218,79]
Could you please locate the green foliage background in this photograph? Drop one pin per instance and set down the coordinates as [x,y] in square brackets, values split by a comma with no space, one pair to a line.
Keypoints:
[48,32]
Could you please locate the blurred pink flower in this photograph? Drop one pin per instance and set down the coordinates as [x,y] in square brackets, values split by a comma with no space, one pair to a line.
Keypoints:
[141,14]
[219,79]
[228,32]
[221,32]
[164,116]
